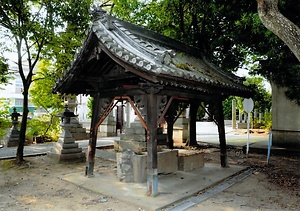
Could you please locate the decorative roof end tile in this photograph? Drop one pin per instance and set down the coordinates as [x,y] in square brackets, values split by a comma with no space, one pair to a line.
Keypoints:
[98,13]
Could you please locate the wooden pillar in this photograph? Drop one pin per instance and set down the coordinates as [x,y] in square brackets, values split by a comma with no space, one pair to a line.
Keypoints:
[192,126]
[151,118]
[170,129]
[90,155]
[170,117]
[221,129]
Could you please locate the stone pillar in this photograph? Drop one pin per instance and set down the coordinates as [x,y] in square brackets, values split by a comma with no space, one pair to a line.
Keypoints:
[133,138]
[259,117]
[240,116]
[181,129]
[76,129]
[108,126]
[124,166]
[233,114]
[128,115]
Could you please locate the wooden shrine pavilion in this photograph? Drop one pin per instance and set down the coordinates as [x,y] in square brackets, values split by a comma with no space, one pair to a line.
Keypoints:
[122,61]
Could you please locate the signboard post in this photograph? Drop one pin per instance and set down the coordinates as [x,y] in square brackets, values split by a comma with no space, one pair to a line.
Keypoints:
[248,107]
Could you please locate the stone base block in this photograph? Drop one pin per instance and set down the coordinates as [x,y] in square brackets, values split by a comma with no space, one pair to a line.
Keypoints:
[11,143]
[190,160]
[242,125]
[74,157]
[135,146]
[167,162]
[287,139]
[66,146]
[14,143]
[80,136]
[133,137]
[180,134]
[135,130]
[107,130]
[59,150]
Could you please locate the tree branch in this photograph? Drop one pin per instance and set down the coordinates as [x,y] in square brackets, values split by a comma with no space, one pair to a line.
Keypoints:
[285,29]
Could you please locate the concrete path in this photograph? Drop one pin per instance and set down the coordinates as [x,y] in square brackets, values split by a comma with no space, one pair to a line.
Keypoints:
[172,187]
[207,133]
[42,149]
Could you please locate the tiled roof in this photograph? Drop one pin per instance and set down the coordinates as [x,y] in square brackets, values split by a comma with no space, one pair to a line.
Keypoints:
[171,62]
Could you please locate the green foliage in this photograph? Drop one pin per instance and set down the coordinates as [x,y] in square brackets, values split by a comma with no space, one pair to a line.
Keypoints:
[45,126]
[226,31]
[71,18]
[41,90]
[42,29]
[90,106]
[201,112]
[276,62]
[5,121]
[128,10]
[206,25]
[227,107]
[266,121]
[6,165]
[262,98]
[262,102]
[4,75]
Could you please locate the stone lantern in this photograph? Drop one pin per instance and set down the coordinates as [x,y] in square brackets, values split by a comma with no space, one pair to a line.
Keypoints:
[13,138]
[66,116]
[66,149]
[15,118]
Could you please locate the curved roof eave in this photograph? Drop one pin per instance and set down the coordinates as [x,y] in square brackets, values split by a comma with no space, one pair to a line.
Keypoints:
[146,53]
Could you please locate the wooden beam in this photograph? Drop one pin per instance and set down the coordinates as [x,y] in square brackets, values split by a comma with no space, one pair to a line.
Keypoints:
[221,129]
[165,110]
[107,111]
[137,112]
[90,155]
[170,118]
[152,176]
[192,125]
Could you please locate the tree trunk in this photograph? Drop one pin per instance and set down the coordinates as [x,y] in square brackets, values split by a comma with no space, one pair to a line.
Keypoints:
[22,136]
[273,20]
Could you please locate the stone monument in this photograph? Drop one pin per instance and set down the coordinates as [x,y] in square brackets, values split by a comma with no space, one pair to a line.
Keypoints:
[66,149]
[133,138]
[13,137]
[76,129]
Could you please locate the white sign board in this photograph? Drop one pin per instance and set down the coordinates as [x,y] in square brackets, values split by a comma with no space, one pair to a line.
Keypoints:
[248,105]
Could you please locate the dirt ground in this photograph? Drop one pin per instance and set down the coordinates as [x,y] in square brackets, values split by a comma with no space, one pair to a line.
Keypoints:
[36,185]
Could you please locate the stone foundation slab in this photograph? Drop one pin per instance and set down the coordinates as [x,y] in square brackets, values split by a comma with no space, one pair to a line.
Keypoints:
[190,160]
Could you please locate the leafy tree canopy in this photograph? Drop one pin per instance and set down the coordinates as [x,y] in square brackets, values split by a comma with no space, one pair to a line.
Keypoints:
[5,121]
[41,90]
[262,97]
[42,29]
[4,75]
